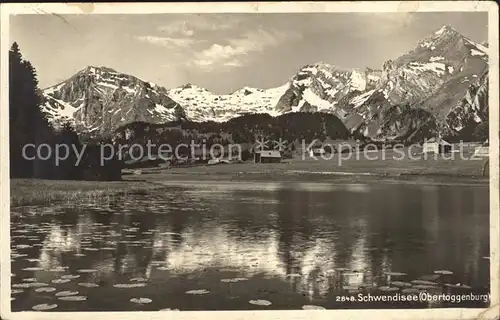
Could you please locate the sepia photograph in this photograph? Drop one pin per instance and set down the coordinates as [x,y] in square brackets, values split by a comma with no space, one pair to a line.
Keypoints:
[244,159]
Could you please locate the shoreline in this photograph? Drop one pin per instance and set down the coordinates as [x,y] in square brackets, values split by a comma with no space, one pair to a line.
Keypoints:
[454,173]
[311,177]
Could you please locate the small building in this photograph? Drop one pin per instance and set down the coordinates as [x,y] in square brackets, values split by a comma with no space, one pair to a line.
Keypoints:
[316,148]
[436,145]
[483,150]
[314,152]
[266,156]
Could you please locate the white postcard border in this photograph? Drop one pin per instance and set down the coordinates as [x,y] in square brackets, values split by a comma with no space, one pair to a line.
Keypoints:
[256,7]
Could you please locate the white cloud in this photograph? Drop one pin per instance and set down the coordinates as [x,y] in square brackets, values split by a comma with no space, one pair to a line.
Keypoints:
[192,23]
[179,27]
[231,53]
[168,41]
[233,63]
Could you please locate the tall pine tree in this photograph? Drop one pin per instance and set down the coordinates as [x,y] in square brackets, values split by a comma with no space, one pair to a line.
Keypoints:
[26,121]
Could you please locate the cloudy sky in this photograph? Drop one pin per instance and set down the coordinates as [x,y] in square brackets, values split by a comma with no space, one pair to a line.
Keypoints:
[224,52]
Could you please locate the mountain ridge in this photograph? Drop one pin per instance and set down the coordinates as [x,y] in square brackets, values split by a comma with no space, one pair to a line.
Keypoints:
[434,76]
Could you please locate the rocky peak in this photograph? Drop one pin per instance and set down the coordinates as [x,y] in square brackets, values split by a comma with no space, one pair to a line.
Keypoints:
[188,85]
[101,98]
[446,31]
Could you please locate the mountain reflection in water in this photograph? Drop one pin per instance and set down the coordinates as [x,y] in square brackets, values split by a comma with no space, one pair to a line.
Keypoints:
[293,244]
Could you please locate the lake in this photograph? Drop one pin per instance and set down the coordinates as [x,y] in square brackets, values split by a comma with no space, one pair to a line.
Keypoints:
[262,246]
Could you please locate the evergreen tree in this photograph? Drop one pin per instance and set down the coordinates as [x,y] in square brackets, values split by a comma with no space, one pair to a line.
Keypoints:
[27,124]
[67,169]
[481,133]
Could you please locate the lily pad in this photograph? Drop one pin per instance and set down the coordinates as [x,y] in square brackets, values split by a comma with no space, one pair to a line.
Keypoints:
[424,282]
[352,274]
[241,279]
[59,281]
[395,274]
[430,277]
[88,285]
[293,275]
[45,289]
[162,268]
[312,307]
[141,300]
[444,272]
[401,284]
[29,285]
[457,286]
[16,291]
[129,285]
[29,280]
[388,289]
[350,288]
[138,280]
[73,298]
[199,291]
[70,276]
[424,287]
[260,302]
[342,269]
[33,269]
[410,290]
[44,306]
[86,270]
[66,293]
[232,280]
[23,246]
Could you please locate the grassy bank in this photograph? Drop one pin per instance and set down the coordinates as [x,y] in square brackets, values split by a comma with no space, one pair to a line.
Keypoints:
[34,191]
[388,166]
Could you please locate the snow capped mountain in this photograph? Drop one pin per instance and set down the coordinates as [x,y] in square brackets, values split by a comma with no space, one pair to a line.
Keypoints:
[433,76]
[100,98]
[321,86]
[201,105]
[430,88]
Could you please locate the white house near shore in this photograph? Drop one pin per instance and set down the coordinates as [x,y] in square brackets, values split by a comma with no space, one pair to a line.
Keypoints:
[313,152]
[263,156]
[436,145]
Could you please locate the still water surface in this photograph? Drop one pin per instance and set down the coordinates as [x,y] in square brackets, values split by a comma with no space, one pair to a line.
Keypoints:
[232,246]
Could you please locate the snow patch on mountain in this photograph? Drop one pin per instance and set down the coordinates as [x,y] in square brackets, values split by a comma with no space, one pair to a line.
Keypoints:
[357,81]
[436,67]
[201,105]
[316,101]
[59,111]
[432,59]
[359,100]
[476,52]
